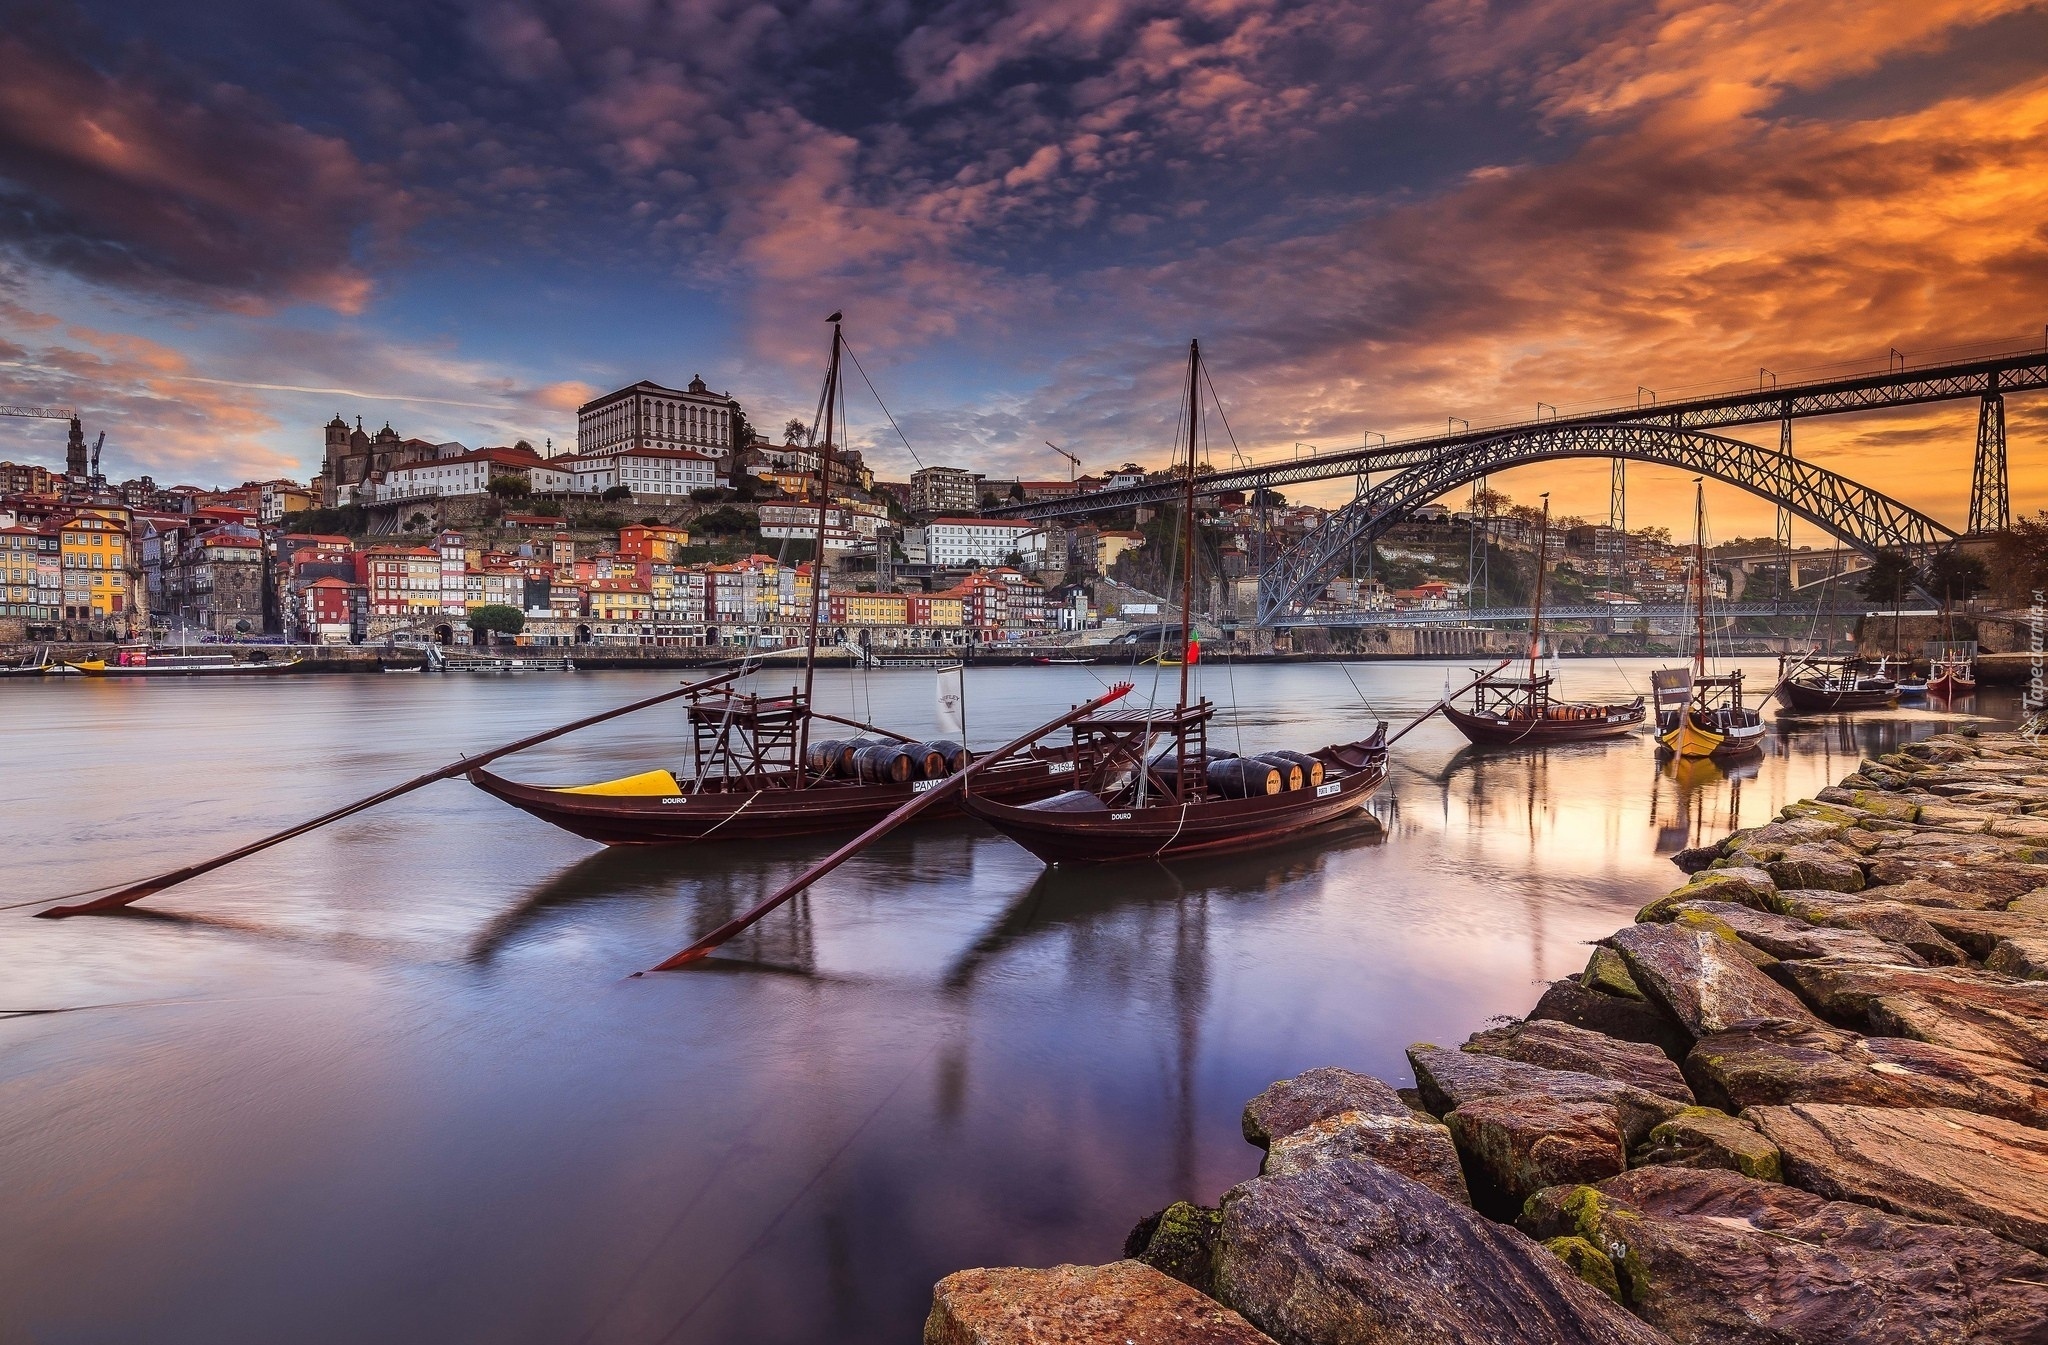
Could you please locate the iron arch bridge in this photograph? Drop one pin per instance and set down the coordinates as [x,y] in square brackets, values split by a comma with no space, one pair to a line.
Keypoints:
[1865,519]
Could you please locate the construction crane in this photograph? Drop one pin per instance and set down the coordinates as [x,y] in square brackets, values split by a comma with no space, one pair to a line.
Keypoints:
[75,463]
[1074,471]
[40,412]
[98,444]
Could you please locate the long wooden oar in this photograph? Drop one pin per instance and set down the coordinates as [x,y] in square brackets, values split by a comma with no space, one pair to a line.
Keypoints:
[1448,698]
[944,789]
[151,886]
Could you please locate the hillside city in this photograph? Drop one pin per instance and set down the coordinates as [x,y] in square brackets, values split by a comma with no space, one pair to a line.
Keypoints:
[675,523]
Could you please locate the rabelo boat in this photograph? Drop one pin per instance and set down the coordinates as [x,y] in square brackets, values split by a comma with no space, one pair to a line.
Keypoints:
[1146,783]
[1698,714]
[1521,712]
[1810,684]
[759,772]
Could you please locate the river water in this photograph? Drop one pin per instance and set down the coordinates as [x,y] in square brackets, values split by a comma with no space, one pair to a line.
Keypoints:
[390,1081]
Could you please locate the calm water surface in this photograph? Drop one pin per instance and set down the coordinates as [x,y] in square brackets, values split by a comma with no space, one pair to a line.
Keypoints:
[390,1082]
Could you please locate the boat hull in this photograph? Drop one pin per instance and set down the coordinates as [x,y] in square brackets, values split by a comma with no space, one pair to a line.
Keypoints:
[1948,685]
[1821,700]
[1693,739]
[160,671]
[717,813]
[1208,827]
[1494,731]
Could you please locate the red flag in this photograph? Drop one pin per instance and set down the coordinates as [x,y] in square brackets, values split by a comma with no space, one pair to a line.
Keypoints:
[1194,651]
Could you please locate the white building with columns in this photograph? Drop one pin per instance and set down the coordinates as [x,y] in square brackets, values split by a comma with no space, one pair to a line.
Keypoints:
[648,415]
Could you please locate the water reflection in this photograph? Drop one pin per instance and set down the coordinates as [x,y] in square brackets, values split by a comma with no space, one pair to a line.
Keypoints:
[408,1042]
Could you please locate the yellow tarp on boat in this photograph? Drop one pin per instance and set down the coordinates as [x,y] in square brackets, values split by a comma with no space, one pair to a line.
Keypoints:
[651,783]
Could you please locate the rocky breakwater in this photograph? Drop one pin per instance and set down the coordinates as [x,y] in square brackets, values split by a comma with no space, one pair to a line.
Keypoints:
[1803,1099]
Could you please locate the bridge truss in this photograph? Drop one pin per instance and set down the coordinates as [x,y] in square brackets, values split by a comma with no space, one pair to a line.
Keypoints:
[1903,383]
[1864,518]
[1620,613]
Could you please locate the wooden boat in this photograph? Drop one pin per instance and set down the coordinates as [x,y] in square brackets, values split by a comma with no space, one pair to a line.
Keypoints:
[1699,715]
[1951,668]
[757,772]
[1128,804]
[750,784]
[1813,685]
[1521,712]
[42,665]
[1147,785]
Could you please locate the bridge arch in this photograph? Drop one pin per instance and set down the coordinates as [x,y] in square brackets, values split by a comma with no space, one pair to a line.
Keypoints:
[1867,520]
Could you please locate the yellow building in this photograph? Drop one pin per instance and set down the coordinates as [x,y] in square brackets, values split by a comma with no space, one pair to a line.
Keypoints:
[95,559]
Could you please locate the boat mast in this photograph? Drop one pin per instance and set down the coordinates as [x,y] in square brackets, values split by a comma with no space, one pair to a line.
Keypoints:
[1187,524]
[1699,576]
[803,746]
[1536,605]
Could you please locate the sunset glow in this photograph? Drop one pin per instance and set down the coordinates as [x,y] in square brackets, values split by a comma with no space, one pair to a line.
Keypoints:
[222,228]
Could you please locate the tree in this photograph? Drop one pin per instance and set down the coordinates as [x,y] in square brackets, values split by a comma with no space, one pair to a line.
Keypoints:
[510,487]
[742,430]
[2019,557]
[1017,492]
[617,493]
[1888,577]
[1957,576]
[548,509]
[989,500]
[1487,502]
[793,432]
[492,616]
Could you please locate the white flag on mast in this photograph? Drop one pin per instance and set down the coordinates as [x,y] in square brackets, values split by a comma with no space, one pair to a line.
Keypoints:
[953,701]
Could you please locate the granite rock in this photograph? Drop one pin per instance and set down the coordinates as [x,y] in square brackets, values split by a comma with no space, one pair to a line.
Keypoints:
[1777,1063]
[1124,1303]
[1561,1046]
[1179,1241]
[1716,1258]
[1948,1006]
[1624,1019]
[1352,1253]
[1454,1079]
[1935,1164]
[1518,1144]
[1701,1137]
[1783,936]
[1700,980]
[1415,1147]
[1292,1104]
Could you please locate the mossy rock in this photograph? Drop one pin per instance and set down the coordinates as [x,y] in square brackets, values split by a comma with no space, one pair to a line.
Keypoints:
[1179,1241]
[1749,886]
[1824,812]
[1607,973]
[1885,806]
[1703,1137]
[1587,1262]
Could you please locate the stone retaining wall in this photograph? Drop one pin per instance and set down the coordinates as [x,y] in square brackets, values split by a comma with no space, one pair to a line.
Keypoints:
[1802,1100]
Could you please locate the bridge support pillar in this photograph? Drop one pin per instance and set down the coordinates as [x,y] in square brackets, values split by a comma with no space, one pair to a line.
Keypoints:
[1990,511]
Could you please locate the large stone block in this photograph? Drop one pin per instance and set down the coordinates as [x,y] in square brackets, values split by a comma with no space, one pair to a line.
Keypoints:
[1124,1303]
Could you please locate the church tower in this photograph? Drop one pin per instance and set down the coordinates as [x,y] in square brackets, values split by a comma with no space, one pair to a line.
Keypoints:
[77,465]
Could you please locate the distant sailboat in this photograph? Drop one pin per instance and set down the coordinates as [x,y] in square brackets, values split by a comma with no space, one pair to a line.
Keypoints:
[1700,715]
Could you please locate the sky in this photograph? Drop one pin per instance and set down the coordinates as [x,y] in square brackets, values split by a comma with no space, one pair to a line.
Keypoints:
[222,224]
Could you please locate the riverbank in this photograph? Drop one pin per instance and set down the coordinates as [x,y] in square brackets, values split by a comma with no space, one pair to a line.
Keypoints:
[1803,1098]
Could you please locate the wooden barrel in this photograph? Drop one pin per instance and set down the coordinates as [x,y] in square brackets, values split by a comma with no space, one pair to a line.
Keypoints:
[1241,777]
[823,758]
[927,761]
[883,764]
[849,753]
[1290,772]
[958,758]
[1311,769]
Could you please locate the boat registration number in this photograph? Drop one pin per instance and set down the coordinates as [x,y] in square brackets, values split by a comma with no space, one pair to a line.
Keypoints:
[1324,791]
[920,786]
[1059,768]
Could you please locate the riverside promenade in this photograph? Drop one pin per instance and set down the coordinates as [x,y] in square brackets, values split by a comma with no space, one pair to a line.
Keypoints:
[1803,1099]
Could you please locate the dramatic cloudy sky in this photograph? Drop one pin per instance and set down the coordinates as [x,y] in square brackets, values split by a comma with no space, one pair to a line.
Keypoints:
[222,223]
